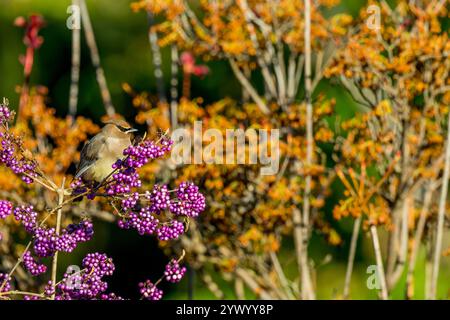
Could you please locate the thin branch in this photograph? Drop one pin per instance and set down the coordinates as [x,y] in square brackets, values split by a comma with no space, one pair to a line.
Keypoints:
[239,289]
[269,80]
[174,88]
[19,261]
[247,85]
[252,284]
[379,259]
[156,58]
[300,248]
[416,244]
[58,229]
[298,75]
[281,276]
[307,289]
[291,76]
[351,256]
[212,286]
[100,74]
[429,262]
[441,216]
[403,250]
[23,293]
[75,70]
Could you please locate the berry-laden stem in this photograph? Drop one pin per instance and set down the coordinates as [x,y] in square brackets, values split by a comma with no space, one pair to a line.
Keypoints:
[58,228]
[23,293]
[15,266]
[162,277]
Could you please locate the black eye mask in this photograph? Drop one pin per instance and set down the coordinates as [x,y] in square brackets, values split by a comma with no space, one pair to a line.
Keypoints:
[123,129]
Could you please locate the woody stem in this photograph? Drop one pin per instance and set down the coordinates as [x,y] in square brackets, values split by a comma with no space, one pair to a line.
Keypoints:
[58,229]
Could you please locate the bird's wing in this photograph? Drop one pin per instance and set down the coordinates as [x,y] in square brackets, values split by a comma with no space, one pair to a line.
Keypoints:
[89,154]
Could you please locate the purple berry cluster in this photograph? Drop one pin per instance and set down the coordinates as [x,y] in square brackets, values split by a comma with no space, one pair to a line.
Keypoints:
[125,178]
[149,291]
[49,289]
[99,264]
[5,114]
[142,221]
[74,234]
[46,242]
[190,201]
[27,216]
[87,284]
[10,145]
[159,198]
[139,155]
[130,201]
[77,186]
[18,164]
[5,282]
[174,272]
[32,266]
[110,296]
[147,224]
[5,209]
[169,231]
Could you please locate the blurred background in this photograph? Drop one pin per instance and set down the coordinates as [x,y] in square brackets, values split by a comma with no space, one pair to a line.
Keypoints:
[125,54]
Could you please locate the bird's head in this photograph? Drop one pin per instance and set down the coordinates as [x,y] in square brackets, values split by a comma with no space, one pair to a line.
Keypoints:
[118,128]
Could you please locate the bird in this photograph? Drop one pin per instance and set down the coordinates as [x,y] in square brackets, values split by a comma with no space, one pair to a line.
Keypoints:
[103,150]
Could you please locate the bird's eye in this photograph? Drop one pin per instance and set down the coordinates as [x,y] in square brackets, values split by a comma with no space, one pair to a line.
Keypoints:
[123,129]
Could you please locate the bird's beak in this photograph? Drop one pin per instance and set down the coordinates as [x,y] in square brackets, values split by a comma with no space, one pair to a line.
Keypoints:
[131,130]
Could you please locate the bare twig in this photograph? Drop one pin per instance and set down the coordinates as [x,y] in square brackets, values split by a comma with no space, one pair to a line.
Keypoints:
[156,56]
[441,216]
[307,289]
[379,259]
[95,57]
[239,288]
[23,293]
[268,77]
[351,256]
[75,70]
[403,249]
[281,276]
[174,88]
[252,284]
[58,229]
[19,261]
[212,286]
[430,245]
[416,244]
[247,85]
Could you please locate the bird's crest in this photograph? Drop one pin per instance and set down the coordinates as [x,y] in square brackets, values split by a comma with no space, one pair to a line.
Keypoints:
[121,124]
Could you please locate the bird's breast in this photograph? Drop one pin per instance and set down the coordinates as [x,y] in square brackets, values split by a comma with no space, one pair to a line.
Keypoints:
[101,169]
[114,147]
[109,154]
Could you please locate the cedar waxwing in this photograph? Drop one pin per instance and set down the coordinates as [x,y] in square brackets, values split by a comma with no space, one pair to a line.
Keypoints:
[103,150]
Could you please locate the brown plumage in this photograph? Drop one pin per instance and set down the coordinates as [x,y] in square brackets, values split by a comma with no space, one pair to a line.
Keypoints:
[103,150]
